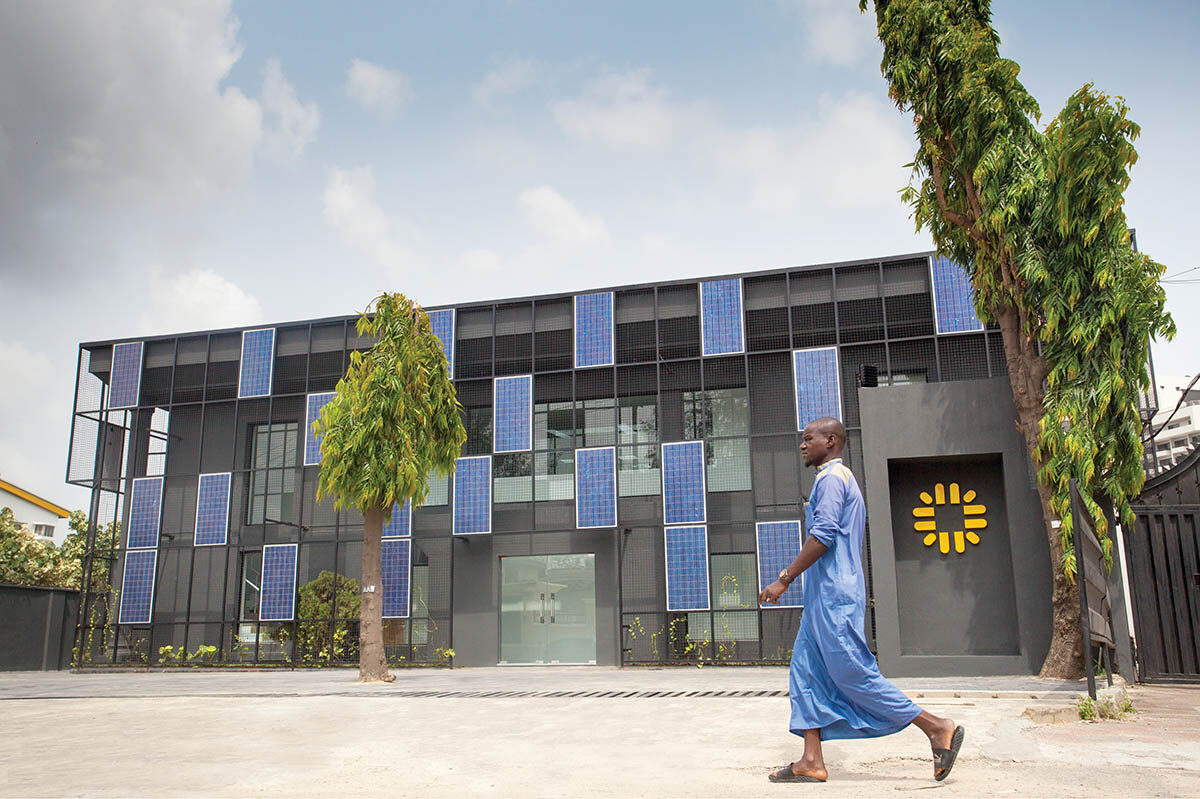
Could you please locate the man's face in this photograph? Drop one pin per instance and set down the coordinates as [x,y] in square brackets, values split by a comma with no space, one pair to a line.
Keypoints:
[815,446]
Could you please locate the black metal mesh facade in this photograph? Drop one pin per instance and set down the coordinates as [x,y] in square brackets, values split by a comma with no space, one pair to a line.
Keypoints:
[660,389]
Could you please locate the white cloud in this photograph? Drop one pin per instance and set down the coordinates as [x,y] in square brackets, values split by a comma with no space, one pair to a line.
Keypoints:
[292,125]
[32,410]
[352,210]
[835,31]
[378,89]
[553,216]
[508,78]
[197,300]
[622,110]
[480,260]
[851,155]
[113,111]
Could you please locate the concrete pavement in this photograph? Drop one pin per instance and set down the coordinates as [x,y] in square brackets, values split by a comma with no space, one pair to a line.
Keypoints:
[552,732]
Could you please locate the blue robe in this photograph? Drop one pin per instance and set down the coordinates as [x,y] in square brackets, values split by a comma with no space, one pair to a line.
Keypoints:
[835,684]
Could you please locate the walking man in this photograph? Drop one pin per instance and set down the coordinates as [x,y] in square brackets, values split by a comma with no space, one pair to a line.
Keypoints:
[835,685]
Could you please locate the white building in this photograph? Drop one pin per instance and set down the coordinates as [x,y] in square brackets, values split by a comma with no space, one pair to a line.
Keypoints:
[1181,434]
[47,520]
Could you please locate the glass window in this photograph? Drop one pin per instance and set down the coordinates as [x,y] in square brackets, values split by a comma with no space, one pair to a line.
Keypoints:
[637,419]
[439,491]
[595,422]
[735,597]
[727,464]
[554,475]
[419,605]
[553,426]
[638,471]
[716,413]
[273,475]
[512,477]
[478,422]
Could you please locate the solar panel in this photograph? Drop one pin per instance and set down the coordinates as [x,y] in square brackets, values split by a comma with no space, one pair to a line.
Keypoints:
[953,297]
[683,482]
[442,323]
[817,388]
[778,545]
[212,509]
[278,601]
[312,442]
[145,512]
[512,414]
[125,380]
[400,523]
[473,495]
[137,586]
[722,331]
[258,363]
[687,567]
[397,562]
[594,329]
[596,487]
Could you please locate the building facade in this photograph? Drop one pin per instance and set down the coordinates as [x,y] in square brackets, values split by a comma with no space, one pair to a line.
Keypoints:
[630,478]
[1176,425]
[45,519]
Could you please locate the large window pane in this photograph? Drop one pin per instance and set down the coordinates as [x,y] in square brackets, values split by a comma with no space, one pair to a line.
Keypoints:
[554,475]
[553,426]
[716,413]
[512,476]
[273,479]
[735,597]
[728,464]
[638,419]
[595,422]
[638,472]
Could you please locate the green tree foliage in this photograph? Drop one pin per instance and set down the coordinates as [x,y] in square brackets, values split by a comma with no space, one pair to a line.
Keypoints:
[27,560]
[1039,217]
[317,641]
[395,419]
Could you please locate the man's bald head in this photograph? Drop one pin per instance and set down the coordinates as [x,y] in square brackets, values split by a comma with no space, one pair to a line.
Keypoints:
[822,440]
[828,426]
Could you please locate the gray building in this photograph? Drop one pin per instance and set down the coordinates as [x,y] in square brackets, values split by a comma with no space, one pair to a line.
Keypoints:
[631,477]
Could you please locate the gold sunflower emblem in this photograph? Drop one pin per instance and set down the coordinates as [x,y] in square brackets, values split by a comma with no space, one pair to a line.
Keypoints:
[927,518]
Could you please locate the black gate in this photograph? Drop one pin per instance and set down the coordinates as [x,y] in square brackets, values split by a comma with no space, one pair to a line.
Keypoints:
[1163,551]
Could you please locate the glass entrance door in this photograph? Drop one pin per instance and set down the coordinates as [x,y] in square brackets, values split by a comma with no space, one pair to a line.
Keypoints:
[548,609]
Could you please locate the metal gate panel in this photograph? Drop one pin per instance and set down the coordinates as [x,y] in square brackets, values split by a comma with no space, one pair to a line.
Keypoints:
[1164,565]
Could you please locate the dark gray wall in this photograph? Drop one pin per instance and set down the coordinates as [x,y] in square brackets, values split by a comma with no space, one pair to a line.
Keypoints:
[946,421]
[37,627]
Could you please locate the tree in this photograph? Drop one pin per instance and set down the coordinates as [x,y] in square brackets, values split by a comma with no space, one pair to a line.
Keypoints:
[394,420]
[26,560]
[1037,215]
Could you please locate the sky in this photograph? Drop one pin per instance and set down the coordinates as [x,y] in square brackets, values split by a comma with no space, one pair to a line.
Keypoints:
[171,167]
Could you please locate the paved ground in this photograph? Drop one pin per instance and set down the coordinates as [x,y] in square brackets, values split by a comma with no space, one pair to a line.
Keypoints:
[558,732]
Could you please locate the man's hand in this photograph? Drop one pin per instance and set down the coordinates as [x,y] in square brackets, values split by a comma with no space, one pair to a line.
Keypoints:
[770,595]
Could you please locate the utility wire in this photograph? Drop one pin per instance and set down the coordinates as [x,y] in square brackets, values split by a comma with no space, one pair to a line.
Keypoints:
[1178,405]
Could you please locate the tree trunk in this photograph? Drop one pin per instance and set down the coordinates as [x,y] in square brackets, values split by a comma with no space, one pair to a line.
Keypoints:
[1065,658]
[372,663]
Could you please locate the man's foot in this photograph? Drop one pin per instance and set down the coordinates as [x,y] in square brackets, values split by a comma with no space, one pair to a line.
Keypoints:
[945,749]
[799,772]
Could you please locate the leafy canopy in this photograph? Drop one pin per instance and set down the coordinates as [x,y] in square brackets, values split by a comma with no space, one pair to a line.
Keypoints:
[395,417]
[1039,217]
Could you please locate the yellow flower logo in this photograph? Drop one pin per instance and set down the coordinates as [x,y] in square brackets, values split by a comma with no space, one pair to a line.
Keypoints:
[927,518]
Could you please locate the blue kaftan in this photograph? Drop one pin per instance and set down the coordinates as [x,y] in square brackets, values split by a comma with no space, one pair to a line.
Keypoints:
[835,684]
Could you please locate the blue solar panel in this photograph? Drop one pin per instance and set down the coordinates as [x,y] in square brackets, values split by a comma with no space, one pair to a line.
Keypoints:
[778,545]
[512,414]
[473,495]
[442,323]
[596,487]
[397,558]
[278,601]
[817,387]
[258,363]
[722,331]
[145,506]
[687,568]
[312,442]
[594,329]
[953,297]
[137,586]
[212,509]
[125,380]
[400,523]
[683,482]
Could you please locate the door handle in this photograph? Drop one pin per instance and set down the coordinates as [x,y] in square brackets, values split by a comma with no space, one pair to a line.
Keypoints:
[542,620]
[552,606]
